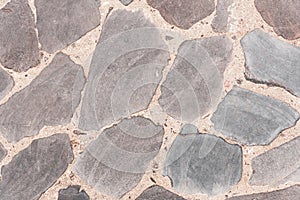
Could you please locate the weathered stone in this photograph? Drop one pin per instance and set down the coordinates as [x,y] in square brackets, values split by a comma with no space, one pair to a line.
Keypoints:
[61,23]
[157,192]
[195,82]
[49,100]
[18,40]
[125,71]
[251,118]
[126,2]
[183,13]
[6,83]
[33,170]
[73,193]
[282,15]
[221,19]
[278,165]
[115,162]
[203,163]
[3,152]
[272,61]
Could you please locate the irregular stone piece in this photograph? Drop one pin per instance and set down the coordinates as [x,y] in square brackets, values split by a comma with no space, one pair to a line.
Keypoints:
[18,40]
[61,23]
[195,82]
[49,100]
[251,118]
[272,61]
[125,71]
[157,192]
[115,162]
[3,152]
[183,13]
[72,193]
[290,193]
[126,2]
[6,83]
[35,169]
[203,163]
[221,19]
[282,15]
[278,165]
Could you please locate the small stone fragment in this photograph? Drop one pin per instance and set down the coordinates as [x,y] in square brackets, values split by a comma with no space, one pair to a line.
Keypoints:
[251,118]
[203,163]
[18,40]
[222,16]
[35,169]
[73,193]
[3,152]
[277,166]
[126,2]
[157,192]
[272,61]
[6,83]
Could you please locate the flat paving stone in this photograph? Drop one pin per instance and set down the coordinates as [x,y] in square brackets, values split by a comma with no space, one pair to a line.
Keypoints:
[222,16]
[125,71]
[282,15]
[203,163]
[49,100]
[6,83]
[183,13]
[72,193]
[278,165]
[61,23]
[35,169]
[3,152]
[115,162]
[126,2]
[18,40]
[272,61]
[194,84]
[157,192]
[251,118]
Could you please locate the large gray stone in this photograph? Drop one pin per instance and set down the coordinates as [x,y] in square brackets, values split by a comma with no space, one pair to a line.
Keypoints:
[35,169]
[251,118]
[115,162]
[61,23]
[272,61]
[194,84]
[203,163]
[18,40]
[73,193]
[49,100]
[125,70]
[3,152]
[278,165]
[157,192]
[6,83]
[126,2]
[222,16]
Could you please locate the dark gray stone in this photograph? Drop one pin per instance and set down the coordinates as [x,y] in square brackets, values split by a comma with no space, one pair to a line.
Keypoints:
[73,193]
[18,40]
[61,23]
[126,2]
[272,61]
[115,162]
[49,100]
[222,16]
[203,163]
[6,83]
[183,13]
[195,82]
[251,118]
[35,169]
[278,165]
[125,71]
[157,192]
[3,152]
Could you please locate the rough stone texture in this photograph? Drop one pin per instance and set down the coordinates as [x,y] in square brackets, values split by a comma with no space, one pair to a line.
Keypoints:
[203,163]
[3,152]
[183,13]
[49,100]
[6,83]
[115,162]
[291,193]
[33,170]
[18,41]
[126,2]
[278,165]
[282,15]
[73,193]
[221,19]
[157,192]
[251,118]
[125,71]
[272,61]
[61,23]
[195,82]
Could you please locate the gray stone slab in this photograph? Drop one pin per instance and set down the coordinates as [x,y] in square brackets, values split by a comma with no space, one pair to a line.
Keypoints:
[194,84]
[126,2]
[6,83]
[277,166]
[49,100]
[35,169]
[125,70]
[157,192]
[251,118]
[3,152]
[203,163]
[183,13]
[73,193]
[61,23]
[18,40]
[272,61]
[115,162]
[222,16]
